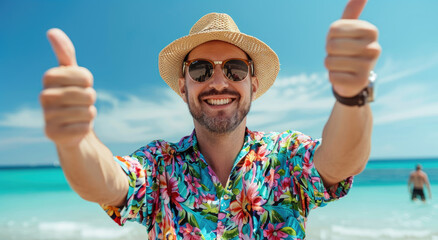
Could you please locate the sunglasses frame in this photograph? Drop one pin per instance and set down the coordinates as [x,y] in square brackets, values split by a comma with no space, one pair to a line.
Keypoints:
[249,63]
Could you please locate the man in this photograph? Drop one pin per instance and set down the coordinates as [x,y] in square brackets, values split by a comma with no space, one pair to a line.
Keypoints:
[418,179]
[223,181]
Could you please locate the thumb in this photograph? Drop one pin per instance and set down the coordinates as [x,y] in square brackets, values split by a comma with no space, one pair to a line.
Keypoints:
[62,46]
[353,9]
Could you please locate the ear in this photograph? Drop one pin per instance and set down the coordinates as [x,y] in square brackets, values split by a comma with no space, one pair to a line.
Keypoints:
[182,88]
[254,86]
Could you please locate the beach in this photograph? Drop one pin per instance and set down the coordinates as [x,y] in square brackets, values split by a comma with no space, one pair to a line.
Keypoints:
[39,204]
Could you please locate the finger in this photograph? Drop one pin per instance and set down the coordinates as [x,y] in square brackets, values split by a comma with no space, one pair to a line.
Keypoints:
[353,9]
[353,29]
[348,64]
[67,96]
[62,46]
[67,115]
[68,76]
[364,48]
[347,84]
[346,46]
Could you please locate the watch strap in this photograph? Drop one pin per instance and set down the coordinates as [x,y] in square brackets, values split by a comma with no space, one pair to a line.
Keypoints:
[358,100]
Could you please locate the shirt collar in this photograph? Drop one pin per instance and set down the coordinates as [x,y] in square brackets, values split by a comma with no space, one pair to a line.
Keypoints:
[190,141]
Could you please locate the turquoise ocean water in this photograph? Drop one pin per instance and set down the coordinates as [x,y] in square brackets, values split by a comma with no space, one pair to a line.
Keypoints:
[37,203]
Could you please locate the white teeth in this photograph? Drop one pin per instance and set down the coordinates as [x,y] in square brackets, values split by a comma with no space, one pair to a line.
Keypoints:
[218,101]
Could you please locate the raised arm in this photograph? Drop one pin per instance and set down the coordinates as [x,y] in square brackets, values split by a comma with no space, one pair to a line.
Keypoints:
[68,103]
[352,51]
[426,181]
[410,182]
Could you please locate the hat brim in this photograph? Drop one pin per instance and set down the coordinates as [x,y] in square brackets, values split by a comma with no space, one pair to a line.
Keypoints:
[266,63]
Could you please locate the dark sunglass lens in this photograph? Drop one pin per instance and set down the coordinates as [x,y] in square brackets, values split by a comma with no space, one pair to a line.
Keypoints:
[236,70]
[200,70]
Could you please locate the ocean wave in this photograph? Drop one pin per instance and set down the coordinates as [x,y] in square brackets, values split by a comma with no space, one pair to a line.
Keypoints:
[384,233]
[66,230]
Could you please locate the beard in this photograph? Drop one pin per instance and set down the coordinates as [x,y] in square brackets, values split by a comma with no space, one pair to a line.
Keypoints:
[219,123]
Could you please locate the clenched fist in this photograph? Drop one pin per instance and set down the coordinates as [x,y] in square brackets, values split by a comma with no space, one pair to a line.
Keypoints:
[68,97]
[352,51]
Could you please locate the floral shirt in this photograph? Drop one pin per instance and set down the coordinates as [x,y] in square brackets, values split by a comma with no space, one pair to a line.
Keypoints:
[272,186]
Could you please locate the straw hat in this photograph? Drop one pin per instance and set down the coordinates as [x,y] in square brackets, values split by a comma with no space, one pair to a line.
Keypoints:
[218,26]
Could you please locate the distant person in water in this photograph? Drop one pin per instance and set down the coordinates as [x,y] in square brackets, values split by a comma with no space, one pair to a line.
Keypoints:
[418,179]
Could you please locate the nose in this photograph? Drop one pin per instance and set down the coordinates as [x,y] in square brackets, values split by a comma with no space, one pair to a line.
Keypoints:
[218,81]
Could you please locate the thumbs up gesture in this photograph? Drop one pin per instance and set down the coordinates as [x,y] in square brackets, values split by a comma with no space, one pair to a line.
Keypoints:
[68,97]
[352,51]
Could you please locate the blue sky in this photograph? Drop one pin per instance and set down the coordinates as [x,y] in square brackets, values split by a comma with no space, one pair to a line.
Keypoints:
[119,42]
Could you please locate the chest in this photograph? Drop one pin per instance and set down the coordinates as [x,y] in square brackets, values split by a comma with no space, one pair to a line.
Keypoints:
[258,196]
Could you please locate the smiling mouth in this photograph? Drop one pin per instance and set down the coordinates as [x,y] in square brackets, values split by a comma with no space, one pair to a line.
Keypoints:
[219,102]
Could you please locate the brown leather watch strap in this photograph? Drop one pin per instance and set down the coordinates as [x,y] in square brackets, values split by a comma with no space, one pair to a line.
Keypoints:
[358,100]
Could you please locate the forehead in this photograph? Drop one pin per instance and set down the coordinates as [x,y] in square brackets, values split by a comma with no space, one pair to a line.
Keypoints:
[217,50]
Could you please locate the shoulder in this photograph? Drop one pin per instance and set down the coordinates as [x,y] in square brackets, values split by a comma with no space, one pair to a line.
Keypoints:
[423,174]
[278,136]
[286,141]
[157,148]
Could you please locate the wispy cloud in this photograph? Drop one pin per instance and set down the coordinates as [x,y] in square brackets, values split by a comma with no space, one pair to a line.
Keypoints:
[23,118]
[407,94]
[293,102]
[406,102]
[138,119]
[6,143]
[297,102]
[393,70]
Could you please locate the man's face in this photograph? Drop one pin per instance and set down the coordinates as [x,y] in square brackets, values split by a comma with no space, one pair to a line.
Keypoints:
[218,104]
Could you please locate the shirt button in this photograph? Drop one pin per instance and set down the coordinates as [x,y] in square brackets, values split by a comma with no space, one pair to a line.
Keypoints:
[226,196]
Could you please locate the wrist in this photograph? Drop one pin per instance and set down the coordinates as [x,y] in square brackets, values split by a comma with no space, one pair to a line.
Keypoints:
[366,95]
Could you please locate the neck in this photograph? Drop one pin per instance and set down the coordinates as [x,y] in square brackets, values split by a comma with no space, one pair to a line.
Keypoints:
[220,150]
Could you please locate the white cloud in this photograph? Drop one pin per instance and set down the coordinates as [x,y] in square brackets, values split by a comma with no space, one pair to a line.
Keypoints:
[395,70]
[23,118]
[294,102]
[297,102]
[142,118]
[409,96]
[406,102]
[6,143]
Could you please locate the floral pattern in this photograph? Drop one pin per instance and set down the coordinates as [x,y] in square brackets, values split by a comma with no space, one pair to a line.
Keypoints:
[272,187]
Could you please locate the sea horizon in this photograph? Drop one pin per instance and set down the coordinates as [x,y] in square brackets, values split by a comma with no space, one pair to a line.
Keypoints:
[56,164]
[379,203]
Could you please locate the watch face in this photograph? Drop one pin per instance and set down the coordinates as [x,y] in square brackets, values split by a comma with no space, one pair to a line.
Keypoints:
[372,76]
[370,88]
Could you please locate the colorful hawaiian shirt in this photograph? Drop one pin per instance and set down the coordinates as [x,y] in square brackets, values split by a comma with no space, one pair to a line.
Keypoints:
[272,186]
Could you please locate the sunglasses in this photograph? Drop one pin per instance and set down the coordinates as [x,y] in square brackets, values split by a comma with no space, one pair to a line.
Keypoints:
[235,69]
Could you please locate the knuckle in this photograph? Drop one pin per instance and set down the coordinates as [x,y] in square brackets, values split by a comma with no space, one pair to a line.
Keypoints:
[337,24]
[51,72]
[91,94]
[50,75]
[48,114]
[88,97]
[86,76]
[330,46]
[46,97]
[328,62]
[92,111]
[375,49]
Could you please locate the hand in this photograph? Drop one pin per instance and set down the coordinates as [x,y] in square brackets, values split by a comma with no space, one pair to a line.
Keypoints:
[68,97]
[352,50]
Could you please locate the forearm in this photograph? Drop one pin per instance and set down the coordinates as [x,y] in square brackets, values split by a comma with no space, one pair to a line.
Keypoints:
[346,143]
[92,173]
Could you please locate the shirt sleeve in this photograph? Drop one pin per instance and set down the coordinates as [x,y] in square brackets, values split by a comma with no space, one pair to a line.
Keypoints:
[136,205]
[307,182]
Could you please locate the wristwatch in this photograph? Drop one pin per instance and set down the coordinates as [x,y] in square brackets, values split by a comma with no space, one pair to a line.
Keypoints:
[364,96]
